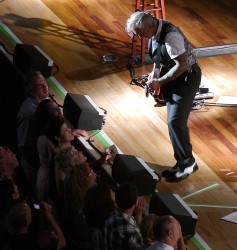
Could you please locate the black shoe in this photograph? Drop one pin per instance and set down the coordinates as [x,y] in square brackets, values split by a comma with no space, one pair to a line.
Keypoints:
[170,172]
[183,173]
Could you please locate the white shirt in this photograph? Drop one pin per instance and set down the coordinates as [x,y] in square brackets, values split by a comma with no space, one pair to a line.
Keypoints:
[174,42]
[160,246]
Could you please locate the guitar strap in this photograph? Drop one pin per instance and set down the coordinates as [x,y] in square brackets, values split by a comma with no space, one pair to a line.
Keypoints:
[156,57]
[154,46]
[154,49]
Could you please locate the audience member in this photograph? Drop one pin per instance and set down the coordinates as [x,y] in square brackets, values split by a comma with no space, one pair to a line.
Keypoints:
[99,203]
[8,161]
[65,160]
[36,90]
[121,230]
[20,220]
[56,232]
[9,167]
[45,111]
[146,229]
[61,136]
[48,240]
[9,194]
[59,133]
[77,181]
[167,233]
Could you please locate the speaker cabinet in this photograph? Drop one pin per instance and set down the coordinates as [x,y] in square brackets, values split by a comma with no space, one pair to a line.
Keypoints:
[30,57]
[128,168]
[172,204]
[82,112]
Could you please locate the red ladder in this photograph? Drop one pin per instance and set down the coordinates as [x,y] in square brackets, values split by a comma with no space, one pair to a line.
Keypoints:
[158,9]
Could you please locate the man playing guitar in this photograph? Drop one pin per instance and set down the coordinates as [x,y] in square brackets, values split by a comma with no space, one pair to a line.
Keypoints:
[178,80]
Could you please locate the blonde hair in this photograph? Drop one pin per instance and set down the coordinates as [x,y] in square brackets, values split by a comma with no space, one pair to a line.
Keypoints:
[146,228]
[63,158]
[77,183]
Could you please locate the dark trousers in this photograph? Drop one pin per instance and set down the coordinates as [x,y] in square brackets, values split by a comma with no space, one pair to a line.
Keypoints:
[179,95]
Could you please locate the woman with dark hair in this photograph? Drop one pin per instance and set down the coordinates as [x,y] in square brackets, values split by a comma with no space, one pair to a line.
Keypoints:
[59,132]
[99,203]
[61,136]
[45,112]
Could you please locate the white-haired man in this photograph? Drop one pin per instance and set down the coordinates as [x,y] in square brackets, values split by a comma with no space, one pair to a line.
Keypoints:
[177,76]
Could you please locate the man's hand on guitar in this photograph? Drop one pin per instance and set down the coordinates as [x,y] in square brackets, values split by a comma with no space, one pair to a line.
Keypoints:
[155,90]
[153,82]
[155,85]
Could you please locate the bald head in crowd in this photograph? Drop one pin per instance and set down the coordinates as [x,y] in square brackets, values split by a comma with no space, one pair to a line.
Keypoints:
[167,230]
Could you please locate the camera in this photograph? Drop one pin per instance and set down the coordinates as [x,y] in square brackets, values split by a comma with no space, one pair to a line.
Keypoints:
[36,206]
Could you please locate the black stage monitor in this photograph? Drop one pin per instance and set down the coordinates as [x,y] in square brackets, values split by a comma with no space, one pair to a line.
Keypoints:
[128,168]
[30,57]
[82,112]
[173,204]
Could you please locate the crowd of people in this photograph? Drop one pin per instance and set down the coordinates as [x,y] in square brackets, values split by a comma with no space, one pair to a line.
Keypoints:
[51,197]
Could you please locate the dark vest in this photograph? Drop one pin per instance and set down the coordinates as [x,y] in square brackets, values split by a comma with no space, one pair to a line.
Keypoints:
[162,57]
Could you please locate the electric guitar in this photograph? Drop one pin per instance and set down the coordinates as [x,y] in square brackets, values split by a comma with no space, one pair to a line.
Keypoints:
[156,94]
[159,98]
[142,81]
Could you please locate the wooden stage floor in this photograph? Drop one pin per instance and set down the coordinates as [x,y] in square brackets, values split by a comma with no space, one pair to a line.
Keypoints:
[76,34]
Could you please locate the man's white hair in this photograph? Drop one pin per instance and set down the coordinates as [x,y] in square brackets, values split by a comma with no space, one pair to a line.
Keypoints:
[139,20]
